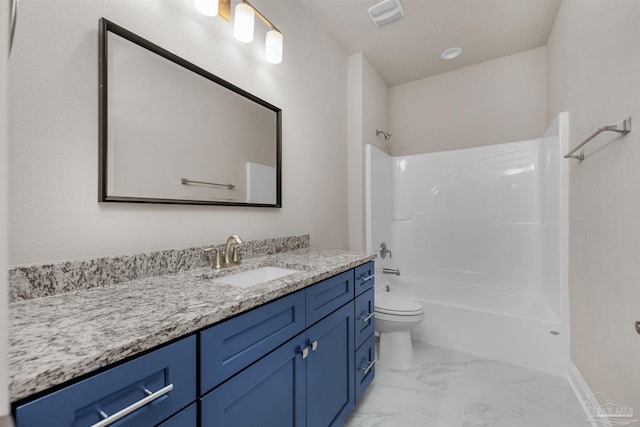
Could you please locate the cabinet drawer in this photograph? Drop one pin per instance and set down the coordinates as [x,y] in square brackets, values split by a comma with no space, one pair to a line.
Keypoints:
[109,392]
[365,314]
[231,346]
[364,276]
[365,366]
[188,417]
[326,296]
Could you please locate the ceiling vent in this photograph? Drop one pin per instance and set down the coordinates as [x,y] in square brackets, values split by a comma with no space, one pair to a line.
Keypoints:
[386,12]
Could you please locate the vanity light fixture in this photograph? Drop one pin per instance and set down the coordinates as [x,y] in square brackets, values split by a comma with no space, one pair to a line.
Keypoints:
[243,24]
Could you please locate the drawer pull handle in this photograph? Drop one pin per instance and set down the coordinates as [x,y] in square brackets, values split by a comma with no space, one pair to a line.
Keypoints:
[367,316]
[366,279]
[369,366]
[314,345]
[129,409]
[305,352]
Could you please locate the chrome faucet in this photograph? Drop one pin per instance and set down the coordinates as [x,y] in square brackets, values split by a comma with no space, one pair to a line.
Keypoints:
[231,258]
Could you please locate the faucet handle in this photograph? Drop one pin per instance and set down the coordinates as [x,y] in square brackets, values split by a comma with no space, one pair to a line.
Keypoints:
[235,258]
[216,260]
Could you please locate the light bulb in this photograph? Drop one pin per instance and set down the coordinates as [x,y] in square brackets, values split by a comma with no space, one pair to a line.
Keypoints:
[207,7]
[273,47]
[243,23]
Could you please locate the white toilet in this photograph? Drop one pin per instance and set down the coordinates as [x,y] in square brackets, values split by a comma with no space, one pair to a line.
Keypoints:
[395,315]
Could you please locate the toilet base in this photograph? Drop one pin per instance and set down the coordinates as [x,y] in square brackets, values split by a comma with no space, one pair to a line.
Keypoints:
[395,350]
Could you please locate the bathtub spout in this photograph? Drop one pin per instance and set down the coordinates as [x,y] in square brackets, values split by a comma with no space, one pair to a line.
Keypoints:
[391,271]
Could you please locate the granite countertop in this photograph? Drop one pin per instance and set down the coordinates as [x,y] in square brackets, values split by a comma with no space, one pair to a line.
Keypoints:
[57,338]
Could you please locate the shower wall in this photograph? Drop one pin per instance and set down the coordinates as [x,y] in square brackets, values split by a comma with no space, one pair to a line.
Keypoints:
[479,229]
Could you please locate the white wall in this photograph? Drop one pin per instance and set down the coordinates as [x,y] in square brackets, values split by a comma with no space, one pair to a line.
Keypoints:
[594,71]
[497,101]
[54,125]
[4,398]
[368,111]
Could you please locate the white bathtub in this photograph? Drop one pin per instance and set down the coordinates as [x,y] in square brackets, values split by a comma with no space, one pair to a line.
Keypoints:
[509,328]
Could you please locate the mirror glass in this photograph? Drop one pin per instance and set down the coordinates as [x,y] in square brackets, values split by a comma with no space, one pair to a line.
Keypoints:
[172,132]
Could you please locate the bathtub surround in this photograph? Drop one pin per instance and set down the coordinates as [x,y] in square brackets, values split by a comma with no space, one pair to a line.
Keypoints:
[594,71]
[36,281]
[60,337]
[479,236]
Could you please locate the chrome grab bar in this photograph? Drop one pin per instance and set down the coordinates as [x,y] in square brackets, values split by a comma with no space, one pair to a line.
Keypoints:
[365,317]
[623,127]
[129,409]
[369,366]
[391,271]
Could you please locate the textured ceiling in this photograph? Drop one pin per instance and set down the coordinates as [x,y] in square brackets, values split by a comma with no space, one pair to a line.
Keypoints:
[409,49]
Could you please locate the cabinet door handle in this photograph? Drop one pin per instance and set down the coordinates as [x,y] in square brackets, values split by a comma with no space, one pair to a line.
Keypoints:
[369,366]
[367,316]
[366,279]
[305,352]
[314,345]
[129,409]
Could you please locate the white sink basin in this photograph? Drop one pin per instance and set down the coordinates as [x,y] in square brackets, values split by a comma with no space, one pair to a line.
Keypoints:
[250,278]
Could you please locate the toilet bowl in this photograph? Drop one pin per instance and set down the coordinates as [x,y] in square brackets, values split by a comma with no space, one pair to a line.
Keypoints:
[395,316]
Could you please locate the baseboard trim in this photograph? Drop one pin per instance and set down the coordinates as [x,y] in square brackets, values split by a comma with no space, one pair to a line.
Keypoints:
[582,392]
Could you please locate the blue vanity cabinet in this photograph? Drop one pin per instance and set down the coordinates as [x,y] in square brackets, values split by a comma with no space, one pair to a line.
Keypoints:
[305,382]
[154,387]
[291,362]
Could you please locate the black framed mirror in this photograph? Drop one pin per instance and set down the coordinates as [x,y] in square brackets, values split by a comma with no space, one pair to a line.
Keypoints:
[171,132]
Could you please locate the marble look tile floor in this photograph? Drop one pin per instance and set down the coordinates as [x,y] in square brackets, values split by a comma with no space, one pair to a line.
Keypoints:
[447,388]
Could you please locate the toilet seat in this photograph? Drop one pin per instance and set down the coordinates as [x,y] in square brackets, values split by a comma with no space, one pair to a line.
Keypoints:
[394,305]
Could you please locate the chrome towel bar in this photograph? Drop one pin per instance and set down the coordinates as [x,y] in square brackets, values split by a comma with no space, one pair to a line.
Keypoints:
[186,181]
[623,127]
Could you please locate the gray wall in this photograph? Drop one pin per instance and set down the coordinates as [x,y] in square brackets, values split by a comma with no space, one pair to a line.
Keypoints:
[593,59]
[503,100]
[54,127]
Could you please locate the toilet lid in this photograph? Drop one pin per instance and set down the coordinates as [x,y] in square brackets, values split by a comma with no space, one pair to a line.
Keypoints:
[388,303]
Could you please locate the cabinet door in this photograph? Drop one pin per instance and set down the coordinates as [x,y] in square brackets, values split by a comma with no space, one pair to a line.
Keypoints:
[270,392]
[330,369]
